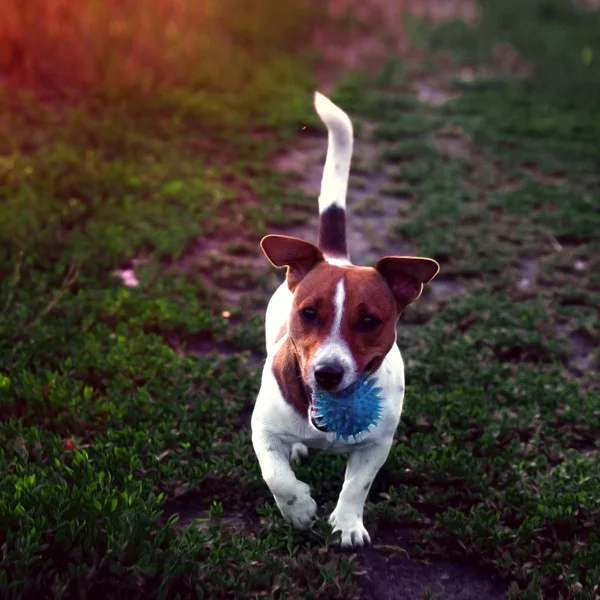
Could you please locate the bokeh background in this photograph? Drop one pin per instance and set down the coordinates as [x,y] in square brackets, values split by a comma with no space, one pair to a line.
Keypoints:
[145,149]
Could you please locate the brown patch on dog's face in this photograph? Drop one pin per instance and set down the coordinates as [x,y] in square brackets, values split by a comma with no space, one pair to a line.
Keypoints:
[287,372]
[368,320]
[313,311]
[370,317]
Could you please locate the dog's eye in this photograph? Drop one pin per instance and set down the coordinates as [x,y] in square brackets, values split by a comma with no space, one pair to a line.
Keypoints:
[368,323]
[309,315]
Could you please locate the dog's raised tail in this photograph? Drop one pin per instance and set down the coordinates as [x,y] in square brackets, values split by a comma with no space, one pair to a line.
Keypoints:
[334,185]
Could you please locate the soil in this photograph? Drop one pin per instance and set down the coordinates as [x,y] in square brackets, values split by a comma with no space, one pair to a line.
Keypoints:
[387,570]
[391,573]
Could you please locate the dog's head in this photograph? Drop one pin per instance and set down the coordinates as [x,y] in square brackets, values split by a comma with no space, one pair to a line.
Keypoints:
[343,319]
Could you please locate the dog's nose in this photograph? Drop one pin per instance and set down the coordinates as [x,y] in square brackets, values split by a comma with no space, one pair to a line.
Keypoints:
[329,375]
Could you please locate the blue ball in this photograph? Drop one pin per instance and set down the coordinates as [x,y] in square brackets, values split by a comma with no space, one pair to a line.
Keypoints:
[351,411]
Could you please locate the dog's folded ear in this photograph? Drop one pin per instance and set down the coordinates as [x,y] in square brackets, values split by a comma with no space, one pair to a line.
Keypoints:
[295,254]
[406,276]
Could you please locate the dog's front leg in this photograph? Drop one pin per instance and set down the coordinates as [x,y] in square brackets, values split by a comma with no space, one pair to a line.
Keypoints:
[363,465]
[292,496]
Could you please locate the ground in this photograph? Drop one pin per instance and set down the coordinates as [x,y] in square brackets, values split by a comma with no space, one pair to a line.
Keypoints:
[133,293]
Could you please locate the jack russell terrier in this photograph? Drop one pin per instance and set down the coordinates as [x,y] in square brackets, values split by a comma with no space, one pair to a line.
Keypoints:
[327,325]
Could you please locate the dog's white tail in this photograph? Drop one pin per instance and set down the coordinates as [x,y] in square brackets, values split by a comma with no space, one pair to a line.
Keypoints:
[334,185]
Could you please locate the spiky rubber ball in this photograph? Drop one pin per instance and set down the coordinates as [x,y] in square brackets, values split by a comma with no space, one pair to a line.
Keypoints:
[351,411]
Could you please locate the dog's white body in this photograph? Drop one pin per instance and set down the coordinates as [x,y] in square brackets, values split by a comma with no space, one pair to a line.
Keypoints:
[280,433]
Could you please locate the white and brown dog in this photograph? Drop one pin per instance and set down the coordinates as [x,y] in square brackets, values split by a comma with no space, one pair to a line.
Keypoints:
[327,325]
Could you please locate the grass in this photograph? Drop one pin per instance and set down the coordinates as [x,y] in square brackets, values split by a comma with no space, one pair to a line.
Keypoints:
[111,432]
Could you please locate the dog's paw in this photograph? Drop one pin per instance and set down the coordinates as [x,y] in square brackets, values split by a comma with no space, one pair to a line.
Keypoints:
[299,509]
[299,451]
[353,532]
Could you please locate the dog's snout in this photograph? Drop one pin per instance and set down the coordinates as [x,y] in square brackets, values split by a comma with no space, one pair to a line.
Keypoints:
[329,375]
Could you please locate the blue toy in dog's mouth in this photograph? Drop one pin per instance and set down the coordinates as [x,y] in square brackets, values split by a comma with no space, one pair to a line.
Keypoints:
[349,412]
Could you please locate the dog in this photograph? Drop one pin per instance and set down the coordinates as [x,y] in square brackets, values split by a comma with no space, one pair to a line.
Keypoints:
[329,323]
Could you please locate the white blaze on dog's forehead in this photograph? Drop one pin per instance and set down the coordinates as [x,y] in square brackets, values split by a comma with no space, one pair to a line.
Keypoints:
[338,305]
[334,348]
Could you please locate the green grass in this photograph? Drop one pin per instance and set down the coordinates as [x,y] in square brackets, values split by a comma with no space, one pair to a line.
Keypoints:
[108,427]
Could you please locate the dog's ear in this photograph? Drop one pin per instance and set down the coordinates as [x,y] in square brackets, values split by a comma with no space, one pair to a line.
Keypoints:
[406,276]
[295,254]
